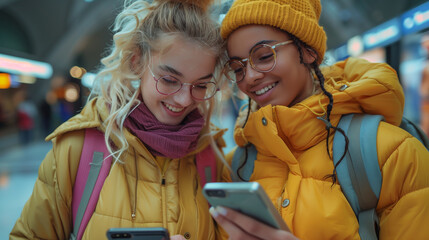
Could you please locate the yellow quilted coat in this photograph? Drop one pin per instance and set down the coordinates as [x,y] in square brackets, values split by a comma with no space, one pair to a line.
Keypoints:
[292,159]
[177,205]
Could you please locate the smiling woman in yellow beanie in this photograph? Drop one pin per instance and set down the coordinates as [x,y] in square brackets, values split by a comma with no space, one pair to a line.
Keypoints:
[275,48]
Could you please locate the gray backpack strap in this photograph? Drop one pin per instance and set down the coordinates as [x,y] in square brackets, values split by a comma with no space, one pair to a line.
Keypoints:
[359,173]
[237,161]
[91,174]
[97,161]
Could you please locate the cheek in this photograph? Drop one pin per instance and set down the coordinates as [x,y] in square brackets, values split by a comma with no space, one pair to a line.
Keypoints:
[241,86]
[148,91]
[292,72]
[143,88]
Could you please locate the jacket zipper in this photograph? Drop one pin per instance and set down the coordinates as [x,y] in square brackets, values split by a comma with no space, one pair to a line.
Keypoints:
[163,193]
[163,170]
[164,204]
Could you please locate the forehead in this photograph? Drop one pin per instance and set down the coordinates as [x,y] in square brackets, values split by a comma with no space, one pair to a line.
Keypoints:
[244,38]
[187,57]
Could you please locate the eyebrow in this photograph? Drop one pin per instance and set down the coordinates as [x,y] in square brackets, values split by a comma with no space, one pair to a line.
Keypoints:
[176,72]
[254,45]
[169,69]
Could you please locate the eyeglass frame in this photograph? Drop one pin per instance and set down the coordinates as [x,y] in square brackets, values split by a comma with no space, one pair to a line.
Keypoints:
[181,86]
[242,61]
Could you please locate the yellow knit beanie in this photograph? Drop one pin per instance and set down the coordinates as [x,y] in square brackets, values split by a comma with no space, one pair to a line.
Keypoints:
[298,17]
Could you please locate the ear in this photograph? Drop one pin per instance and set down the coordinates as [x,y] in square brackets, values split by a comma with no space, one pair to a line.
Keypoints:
[135,61]
[309,55]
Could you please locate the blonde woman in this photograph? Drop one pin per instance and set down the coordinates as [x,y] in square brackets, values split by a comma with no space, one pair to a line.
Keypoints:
[153,101]
[275,49]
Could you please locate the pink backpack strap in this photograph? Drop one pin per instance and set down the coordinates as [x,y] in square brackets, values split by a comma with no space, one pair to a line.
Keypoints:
[206,165]
[91,174]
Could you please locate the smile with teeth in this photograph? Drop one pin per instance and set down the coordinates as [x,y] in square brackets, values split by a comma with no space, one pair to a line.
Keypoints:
[173,109]
[265,89]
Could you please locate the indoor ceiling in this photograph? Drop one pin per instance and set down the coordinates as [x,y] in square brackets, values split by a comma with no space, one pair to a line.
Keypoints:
[76,32]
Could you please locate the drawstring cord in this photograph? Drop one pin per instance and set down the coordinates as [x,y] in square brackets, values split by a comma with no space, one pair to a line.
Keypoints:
[311,110]
[133,213]
[327,123]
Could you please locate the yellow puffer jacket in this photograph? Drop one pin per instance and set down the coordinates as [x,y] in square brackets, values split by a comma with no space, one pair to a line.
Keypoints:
[177,205]
[292,159]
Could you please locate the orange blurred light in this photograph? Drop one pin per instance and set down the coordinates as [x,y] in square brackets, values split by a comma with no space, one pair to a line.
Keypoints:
[5,81]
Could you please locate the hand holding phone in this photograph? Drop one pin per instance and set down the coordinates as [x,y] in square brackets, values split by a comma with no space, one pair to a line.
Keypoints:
[248,198]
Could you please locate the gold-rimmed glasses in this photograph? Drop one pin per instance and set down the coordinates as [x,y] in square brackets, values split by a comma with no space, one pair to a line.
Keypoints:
[262,58]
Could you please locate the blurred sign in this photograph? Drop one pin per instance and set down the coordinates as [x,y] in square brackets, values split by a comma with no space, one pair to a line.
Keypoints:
[341,53]
[415,19]
[22,66]
[383,35]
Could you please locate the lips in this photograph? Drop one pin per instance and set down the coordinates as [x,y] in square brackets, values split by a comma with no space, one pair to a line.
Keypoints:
[265,89]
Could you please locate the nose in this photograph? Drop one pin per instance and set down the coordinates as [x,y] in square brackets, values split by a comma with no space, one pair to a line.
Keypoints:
[252,75]
[183,96]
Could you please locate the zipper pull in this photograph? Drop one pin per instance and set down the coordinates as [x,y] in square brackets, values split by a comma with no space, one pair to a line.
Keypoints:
[163,181]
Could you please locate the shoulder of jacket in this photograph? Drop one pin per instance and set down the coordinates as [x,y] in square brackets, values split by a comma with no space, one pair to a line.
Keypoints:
[404,164]
[69,139]
[392,142]
[67,149]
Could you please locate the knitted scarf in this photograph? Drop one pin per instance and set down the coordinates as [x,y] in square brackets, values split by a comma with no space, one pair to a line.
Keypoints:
[172,141]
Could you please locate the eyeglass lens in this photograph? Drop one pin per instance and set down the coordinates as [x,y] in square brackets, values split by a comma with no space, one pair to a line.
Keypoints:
[262,58]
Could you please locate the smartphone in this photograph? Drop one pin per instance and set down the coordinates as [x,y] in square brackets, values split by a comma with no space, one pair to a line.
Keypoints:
[248,198]
[138,234]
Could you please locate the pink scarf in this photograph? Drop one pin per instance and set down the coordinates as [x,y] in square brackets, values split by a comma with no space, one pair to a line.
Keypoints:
[172,141]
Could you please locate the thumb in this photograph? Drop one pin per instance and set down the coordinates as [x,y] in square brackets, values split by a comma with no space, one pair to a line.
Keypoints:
[177,237]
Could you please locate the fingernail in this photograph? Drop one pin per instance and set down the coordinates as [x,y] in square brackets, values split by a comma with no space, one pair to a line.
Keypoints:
[221,210]
[213,212]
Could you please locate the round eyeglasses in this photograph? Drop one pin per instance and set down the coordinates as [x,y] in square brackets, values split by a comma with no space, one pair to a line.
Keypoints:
[262,58]
[168,85]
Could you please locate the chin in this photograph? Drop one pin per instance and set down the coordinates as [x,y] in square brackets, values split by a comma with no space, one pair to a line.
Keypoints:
[171,122]
[263,104]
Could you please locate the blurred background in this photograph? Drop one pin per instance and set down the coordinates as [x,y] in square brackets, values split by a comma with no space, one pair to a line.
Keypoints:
[50,50]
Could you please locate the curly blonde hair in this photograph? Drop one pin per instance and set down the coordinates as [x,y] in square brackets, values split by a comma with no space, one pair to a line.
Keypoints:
[138,29]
